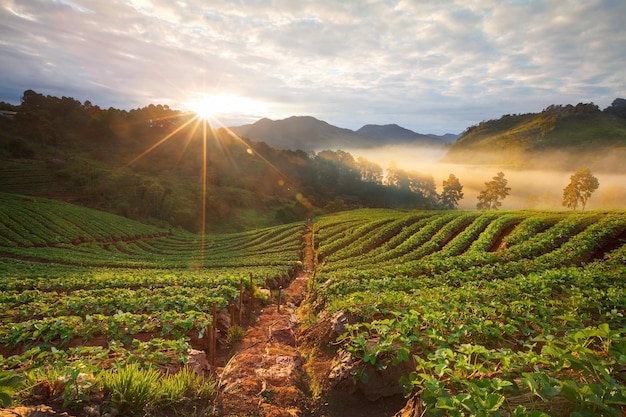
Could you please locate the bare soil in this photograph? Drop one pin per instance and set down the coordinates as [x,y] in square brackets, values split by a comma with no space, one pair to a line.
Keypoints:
[279,371]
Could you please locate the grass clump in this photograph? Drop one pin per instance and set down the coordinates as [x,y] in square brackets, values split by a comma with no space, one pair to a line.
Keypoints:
[133,390]
[235,334]
[136,391]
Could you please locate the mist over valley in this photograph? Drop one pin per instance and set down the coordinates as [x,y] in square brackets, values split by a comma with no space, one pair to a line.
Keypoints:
[149,162]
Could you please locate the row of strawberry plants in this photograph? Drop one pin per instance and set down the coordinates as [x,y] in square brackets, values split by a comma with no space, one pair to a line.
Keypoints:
[581,367]
[421,234]
[543,251]
[369,241]
[154,352]
[41,221]
[19,276]
[329,227]
[96,254]
[60,330]
[25,305]
[513,317]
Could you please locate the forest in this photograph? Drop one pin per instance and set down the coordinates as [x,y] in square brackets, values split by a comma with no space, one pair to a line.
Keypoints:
[148,164]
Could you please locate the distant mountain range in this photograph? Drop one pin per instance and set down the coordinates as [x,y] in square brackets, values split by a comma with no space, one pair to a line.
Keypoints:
[310,134]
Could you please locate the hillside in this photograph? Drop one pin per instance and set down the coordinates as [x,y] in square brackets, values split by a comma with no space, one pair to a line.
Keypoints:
[302,132]
[310,134]
[558,137]
[157,165]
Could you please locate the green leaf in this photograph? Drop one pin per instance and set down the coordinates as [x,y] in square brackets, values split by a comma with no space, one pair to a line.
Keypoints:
[445,404]
[5,398]
[402,355]
[493,402]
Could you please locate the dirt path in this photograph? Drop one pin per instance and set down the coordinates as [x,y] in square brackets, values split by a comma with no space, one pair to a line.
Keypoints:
[274,370]
[265,376]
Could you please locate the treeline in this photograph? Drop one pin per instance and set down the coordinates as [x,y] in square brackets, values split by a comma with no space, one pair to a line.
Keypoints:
[154,163]
[550,116]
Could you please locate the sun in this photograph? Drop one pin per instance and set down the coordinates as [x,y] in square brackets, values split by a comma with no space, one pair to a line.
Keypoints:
[205,108]
[216,106]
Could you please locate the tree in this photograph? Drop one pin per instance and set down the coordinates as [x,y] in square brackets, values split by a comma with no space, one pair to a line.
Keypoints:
[495,191]
[582,184]
[370,171]
[452,193]
[413,181]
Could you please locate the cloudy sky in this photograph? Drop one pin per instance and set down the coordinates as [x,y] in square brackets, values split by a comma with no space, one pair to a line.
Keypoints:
[433,66]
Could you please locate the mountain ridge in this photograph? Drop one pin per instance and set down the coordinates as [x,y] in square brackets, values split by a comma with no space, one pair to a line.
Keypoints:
[311,134]
[557,137]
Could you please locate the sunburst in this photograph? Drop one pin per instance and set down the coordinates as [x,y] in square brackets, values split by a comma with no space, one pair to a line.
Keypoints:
[203,116]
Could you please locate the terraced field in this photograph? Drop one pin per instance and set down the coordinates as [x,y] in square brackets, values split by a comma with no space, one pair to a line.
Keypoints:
[467,313]
[82,288]
[507,313]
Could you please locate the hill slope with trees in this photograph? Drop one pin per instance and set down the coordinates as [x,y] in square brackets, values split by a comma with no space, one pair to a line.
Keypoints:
[558,137]
[164,166]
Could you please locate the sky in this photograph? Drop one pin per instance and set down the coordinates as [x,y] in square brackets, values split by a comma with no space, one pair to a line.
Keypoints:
[432,66]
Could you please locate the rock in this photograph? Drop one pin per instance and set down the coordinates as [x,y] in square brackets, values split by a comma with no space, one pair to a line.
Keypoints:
[298,360]
[223,320]
[198,361]
[342,370]
[384,382]
[92,410]
[413,408]
[284,335]
[340,320]
[278,374]
[380,382]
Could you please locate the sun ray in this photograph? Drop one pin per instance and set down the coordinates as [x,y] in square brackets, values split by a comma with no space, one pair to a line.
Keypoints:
[204,121]
[159,143]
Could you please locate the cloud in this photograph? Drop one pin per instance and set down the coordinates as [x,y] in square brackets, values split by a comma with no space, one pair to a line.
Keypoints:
[431,66]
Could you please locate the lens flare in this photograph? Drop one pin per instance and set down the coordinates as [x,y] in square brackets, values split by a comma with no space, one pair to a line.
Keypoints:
[203,117]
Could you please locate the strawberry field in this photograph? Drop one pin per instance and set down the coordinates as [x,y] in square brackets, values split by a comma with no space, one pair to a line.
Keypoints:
[507,313]
[82,289]
[480,313]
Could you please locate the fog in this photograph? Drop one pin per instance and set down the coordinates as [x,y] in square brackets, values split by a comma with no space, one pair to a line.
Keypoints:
[530,188]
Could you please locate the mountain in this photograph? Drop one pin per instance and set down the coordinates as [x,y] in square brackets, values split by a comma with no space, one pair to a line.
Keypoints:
[559,137]
[302,132]
[394,134]
[310,134]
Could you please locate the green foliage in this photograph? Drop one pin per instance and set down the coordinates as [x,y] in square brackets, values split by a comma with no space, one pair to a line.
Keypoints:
[452,193]
[134,294]
[582,185]
[534,326]
[235,334]
[154,164]
[137,391]
[133,390]
[579,133]
[495,191]
[9,383]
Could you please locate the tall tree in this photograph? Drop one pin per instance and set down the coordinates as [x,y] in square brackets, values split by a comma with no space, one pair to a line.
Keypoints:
[370,171]
[393,178]
[582,184]
[495,190]
[452,193]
